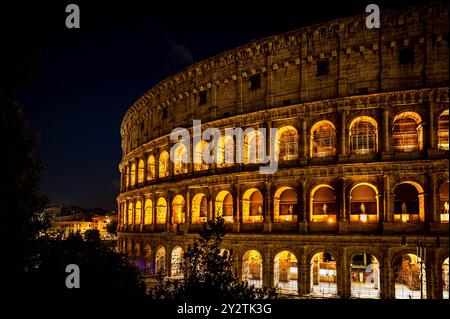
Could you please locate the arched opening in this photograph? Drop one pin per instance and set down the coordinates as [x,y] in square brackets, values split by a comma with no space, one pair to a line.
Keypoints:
[253,147]
[407,132]
[136,258]
[199,210]
[285,205]
[443,202]
[323,139]
[151,168]
[287,143]
[363,135]
[445,279]
[180,163]
[225,151]
[323,275]
[201,156]
[443,131]
[148,212]
[252,206]
[177,262]
[252,268]
[148,267]
[133,174]
[286,273]
[365,276]
[161,211]
[409,277]
[130,214]
[160,260]
[138,209]
[224,206]
[409,202]
[323,206]
[141,171]
[178,210]
[364,203]
[163,164]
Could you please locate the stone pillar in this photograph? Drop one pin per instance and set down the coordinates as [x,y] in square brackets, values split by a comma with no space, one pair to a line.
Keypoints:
[343,214]
[303,221]
[344,285]
[268,213]
[188,208]
[432,145]
[136,173]
[153,199]
[387,280]
[212,204]
[169,212]
[303,147]
[343,152]
[386,151]
[435,216]
[157,153]
[145,159]
[269,79]
[236,208]
[267,270]
[303,272]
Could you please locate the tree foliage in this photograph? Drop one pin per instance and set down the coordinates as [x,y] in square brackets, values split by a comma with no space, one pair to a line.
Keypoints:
[207,272]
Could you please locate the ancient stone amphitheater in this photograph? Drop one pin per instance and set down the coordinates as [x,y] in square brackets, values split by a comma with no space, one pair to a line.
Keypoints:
[359,204]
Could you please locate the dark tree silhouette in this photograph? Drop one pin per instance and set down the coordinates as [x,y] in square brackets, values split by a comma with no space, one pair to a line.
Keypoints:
[207,272]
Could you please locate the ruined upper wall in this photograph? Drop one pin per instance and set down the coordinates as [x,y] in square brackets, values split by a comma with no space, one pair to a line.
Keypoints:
[360,61]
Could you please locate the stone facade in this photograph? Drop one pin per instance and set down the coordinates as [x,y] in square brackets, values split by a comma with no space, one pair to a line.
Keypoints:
[339,75]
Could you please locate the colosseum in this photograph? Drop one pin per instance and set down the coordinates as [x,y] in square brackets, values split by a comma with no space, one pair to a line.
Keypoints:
[358,207]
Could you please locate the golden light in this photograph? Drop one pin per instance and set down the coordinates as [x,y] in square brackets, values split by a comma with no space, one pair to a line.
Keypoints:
[405,218]
[330,220]
[363,218]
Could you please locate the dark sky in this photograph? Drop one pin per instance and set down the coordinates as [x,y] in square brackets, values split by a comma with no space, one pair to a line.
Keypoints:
[89,77]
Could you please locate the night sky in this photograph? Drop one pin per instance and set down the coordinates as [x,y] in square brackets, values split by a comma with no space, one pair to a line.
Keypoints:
[89,77]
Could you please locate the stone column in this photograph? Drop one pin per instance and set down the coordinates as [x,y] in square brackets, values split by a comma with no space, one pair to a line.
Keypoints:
[153,199]
[267,270]
[303,226]
[303,147]
[388,213]
[136,173]
[269,79]
[344,286]
[157,153]
[145,158]
[236,208]
[169,212]
[188,209]
[343,214]
[432,145]
[386,132]
[435,216]
[303,272]
[268,214]
[343,136]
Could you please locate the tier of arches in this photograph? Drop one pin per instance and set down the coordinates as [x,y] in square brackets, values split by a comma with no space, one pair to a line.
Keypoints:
[361,138]
[318,273]
[407,202]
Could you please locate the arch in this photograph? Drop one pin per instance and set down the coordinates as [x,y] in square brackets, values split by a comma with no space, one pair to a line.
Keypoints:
[148,212]
[133,174]
[141,171]
[136,257]
[161,211]
[252,268]
[225,151]
[287,143]
[322,204]
[407,132]
[180,163]
[253,147]
[409,204]
[201,156]
[443,131]
[285,205]
[365,276]
[178,210]
[286,272]
[363,135]
[252,206]
[323,139]
[408,283]
[323,272]
[148,266]
[445,278]
[130,219]
[151,168]
[138,212]
[224,206]
[443,202]
[160,260]
[176,270]
[199,209]
[163,164]
[364,203]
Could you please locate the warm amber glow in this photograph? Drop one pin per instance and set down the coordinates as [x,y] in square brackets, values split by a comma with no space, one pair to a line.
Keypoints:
[130,214]
[323,139]
[199,209]
[364,206]
[252,206]
[133,174]
[178,210]
[443,131]
[224,206]
[253,147]
[252,268]
[286,272]
[200,153]
[176,262]
[407,132]
[323,205]
[225,151]
[180,165]
[164,164]
[141,172]
[160,260]
[161,211]
[148,212]
[151,168]
[287,143]
[138,209]
[363,135]
[285,207]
